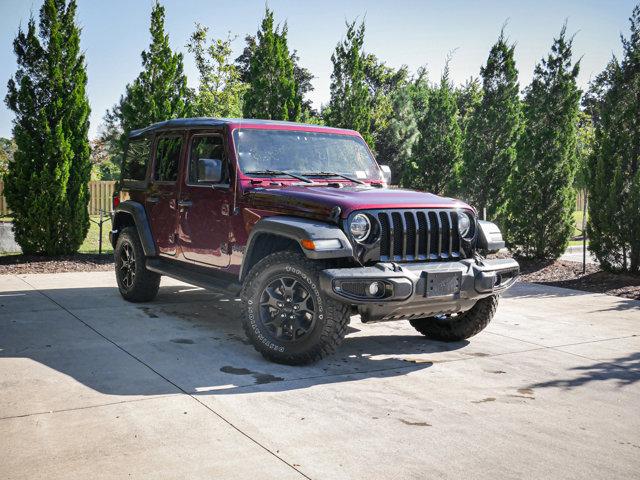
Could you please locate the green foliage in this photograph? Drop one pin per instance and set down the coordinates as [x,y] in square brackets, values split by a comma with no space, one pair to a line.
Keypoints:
[301,75]
[350,105]
[273,93]
[469,98]
[541,196]
[220,91]
[436,156]
[7,150]
[614,173]
[159,92]
[492,131]
[396,139]
[46,184]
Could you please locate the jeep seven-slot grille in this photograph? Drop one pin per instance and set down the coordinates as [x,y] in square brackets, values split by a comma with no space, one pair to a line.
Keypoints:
[419,235]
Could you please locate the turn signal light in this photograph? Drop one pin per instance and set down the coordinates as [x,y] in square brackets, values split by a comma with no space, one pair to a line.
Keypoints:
[320,245]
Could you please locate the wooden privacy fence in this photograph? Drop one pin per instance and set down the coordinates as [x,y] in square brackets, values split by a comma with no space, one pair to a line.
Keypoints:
[100,192]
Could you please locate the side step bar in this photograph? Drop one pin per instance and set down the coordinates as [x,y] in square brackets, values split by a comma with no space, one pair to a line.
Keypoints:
[195,276]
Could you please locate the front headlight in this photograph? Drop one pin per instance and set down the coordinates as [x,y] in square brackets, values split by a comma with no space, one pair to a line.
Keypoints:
[360,227]
[464,224]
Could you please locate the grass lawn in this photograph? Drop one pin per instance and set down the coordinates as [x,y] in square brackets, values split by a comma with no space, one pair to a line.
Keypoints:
[90,244]
[577,216]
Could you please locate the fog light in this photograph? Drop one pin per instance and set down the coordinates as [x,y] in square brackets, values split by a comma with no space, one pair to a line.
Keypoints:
[375,288]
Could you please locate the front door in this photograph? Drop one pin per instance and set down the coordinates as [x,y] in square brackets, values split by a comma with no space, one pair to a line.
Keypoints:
[205,203]
[161,199]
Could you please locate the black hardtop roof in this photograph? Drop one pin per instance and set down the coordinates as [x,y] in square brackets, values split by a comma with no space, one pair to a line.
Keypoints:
[203,122]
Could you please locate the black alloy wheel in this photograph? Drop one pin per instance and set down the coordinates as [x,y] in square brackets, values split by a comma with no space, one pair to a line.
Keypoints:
[287,309]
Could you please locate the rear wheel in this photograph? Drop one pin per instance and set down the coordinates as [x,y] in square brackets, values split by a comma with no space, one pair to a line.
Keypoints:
[456,327]
[285,315]
[135,282]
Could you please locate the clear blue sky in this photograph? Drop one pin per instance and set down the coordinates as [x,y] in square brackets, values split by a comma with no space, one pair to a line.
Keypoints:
[399,32]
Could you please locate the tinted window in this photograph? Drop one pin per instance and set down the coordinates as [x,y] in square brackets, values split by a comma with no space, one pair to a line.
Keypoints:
[204,147]
[168,158]
[134,166]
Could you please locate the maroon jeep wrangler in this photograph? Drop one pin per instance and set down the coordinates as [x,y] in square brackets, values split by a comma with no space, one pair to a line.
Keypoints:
[298,220]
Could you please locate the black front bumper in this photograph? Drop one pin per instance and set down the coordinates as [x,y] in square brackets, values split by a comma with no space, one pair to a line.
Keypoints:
[414,290]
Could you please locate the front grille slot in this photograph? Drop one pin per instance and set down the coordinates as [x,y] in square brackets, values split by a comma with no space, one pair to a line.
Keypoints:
[419,235]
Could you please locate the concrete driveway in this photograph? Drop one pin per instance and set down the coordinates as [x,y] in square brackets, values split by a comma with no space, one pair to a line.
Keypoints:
[94,387]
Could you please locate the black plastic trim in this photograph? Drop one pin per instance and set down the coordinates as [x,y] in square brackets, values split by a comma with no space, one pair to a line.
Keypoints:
[298,229]
[137,212]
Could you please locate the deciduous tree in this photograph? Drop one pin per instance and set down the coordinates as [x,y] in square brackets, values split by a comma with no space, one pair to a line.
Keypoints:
[220,90]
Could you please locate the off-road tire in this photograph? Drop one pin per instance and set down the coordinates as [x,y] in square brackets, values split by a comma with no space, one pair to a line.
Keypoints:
[145,283]
[330,318]
[461,326]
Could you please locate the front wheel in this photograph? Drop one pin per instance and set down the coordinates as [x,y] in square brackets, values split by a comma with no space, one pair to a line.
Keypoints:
[285,315]
[460,326]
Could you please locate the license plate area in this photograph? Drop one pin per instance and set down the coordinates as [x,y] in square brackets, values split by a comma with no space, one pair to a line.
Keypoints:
[442,284]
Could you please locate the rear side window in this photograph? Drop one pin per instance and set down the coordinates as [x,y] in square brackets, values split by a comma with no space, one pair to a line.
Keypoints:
[168,158]
[134,165]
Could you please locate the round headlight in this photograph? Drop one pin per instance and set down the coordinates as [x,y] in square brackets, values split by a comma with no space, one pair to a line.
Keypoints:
[360,227]
[464,224]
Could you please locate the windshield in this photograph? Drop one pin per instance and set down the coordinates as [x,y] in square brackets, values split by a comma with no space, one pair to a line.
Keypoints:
[304,153]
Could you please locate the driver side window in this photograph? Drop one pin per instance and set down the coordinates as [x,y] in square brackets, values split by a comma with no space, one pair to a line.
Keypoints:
[206,160]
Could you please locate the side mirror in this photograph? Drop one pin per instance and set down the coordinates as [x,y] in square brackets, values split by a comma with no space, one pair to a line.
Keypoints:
[386,173]
[209,170]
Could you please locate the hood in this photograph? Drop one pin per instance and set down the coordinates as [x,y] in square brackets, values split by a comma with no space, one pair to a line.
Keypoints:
[321,200]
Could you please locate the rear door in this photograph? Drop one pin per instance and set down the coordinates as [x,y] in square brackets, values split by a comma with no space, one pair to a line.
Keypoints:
[162,193]
[205,205]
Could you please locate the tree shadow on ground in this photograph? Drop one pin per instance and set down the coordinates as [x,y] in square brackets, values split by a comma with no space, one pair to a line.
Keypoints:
[623,371]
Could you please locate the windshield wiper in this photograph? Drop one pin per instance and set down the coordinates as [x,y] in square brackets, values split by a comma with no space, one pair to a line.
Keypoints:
[335,174]
[280,172]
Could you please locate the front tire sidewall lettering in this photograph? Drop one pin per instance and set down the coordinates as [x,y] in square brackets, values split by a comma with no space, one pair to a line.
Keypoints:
[253,313]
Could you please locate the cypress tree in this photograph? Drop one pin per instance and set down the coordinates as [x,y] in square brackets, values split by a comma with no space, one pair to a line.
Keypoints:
[46,185]
[273,92]
[350,105]
[614,174]
[493,131]
[396,140]
[541,196]
[437,153]
[160,91]
[301,75]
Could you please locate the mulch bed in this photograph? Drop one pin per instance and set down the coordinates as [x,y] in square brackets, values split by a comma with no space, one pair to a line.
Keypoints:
[80,262]
[559,273]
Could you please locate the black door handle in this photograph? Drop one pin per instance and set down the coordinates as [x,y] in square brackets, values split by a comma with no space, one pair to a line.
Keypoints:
[153,199]
[185,203]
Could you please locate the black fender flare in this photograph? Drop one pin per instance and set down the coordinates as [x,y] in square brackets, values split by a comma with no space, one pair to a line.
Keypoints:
[298,229]
[136,211]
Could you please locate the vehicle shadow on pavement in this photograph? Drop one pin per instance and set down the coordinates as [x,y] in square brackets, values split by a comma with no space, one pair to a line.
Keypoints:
[187,338]
[623,371]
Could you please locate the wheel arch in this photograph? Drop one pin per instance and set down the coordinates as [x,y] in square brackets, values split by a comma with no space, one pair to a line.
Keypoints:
[274,234]
[132,214]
